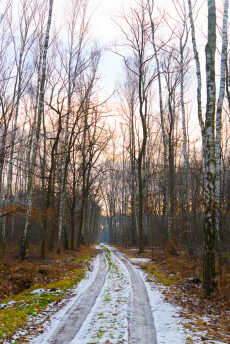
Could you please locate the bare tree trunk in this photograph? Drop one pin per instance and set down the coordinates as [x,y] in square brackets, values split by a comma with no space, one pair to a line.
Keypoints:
[219,118]
[209,271]
[49,189]
[63,187]
[187,225]
[84,164]
[72,211]
[218,147]
[80,239]
[208,144]
[133,181]
[164,136]
[3,156]
[139,167]
[30,187]
[171,191]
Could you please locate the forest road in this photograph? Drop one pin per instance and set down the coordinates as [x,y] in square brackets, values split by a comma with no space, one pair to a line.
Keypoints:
[75,317]
[114,308]
[141,322]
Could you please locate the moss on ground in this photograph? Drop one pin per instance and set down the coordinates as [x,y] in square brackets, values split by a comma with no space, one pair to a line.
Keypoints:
[165,279]
[20,307]
[108,256]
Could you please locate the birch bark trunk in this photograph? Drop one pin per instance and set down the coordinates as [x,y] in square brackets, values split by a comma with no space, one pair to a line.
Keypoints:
[208,144]
[30,186]
[219,117]
[142,112]
[133,179]
[183,43]
[209,272]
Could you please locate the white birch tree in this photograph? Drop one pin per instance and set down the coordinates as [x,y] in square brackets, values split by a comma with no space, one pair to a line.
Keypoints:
[219,116]
[24,243]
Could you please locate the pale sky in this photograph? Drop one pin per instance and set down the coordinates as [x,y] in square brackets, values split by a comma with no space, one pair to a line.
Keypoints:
[105,31]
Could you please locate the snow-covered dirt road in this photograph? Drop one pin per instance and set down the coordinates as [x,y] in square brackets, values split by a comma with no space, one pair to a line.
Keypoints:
[112,306]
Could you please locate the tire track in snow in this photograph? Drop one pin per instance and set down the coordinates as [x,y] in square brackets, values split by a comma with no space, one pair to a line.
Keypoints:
[77,311]
[113,308]
[141,322]
[108,320]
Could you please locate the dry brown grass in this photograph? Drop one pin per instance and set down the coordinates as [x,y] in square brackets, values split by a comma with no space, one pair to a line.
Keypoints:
[16,276]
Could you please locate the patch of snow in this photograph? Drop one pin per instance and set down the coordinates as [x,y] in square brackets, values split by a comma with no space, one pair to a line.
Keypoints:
[108,319]
[39,291]
[51,326]
[19,334]
[140,260]
[167,318]
[136,249]
[7,304]
[45,291]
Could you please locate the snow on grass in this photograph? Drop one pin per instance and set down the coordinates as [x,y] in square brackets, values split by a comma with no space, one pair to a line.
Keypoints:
[170,326]
[45,291]
[108,320]
[7,304]
[53,323]
[139,261]
[166,317]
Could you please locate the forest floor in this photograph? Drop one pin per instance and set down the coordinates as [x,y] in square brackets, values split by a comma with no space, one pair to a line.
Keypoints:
[22,283]
[114,298]
[178,277]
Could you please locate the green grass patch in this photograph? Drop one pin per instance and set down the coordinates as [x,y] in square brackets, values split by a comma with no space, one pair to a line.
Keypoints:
[100,333]
[107,298]
[108,257]
[160,277]
[15,316]
[27,305]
